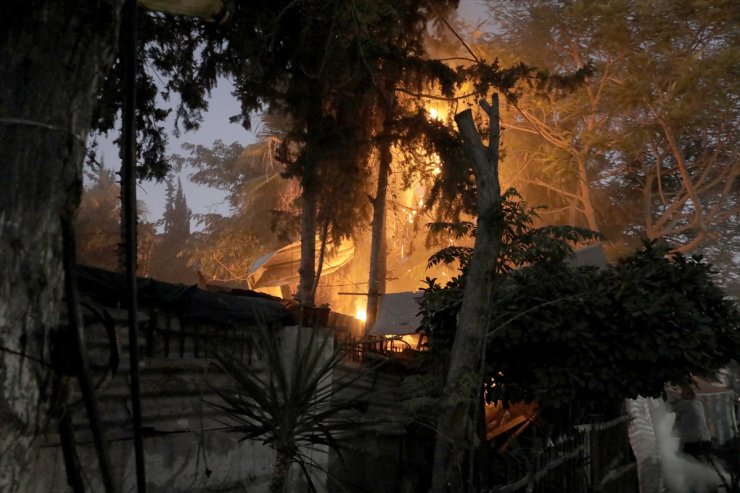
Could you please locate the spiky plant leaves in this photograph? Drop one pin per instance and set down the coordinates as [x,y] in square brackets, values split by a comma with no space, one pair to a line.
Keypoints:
[294,403]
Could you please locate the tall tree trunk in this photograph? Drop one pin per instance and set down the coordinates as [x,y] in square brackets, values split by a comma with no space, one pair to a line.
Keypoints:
[456,427]
[307,267]
[376,278]
[53,56]
[324,236]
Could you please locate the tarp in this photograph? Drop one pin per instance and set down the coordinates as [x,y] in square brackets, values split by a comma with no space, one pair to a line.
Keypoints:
[590,256]
[281,267]
[397,314]
[190,302]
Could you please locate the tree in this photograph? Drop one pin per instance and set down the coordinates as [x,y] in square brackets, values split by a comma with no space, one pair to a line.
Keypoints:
[98,226]
[314,62]
[682,149]
[582,340]
[295,67]
[177,214]
[168,261]
[636,149]
[53,57]
[401,123]
[566,120]
[262,210]
[456,425]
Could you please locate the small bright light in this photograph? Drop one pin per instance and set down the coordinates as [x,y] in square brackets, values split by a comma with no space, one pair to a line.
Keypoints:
[436,170]
[433,114]
[360,314]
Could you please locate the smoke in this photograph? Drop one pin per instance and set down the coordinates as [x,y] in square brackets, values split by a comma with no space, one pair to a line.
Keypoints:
[681,473]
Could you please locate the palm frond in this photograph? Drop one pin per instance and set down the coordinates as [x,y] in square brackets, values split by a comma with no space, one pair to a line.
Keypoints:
[296,401]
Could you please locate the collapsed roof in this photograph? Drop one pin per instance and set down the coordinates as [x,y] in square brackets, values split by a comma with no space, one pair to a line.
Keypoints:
[280,268]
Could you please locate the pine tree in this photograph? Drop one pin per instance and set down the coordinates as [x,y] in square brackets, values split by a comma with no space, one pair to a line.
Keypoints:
[168,263]
[177,214]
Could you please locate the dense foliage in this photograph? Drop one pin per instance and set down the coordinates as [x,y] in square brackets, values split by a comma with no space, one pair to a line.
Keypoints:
[257,197]
[98,225]
[582,339]
[521,244]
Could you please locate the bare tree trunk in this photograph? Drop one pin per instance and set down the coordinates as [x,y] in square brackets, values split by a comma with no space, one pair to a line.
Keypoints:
[376,278]
[456,427]
[322,252]
[53,56]
[307,268]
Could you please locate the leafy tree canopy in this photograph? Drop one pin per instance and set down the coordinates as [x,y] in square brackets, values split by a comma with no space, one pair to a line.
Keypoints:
[647,147]
[582,339]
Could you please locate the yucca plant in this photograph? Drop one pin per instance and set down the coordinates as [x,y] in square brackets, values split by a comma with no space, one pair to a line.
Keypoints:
[295,403]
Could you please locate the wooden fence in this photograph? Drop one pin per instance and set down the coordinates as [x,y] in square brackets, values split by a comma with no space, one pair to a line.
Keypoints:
[594,457]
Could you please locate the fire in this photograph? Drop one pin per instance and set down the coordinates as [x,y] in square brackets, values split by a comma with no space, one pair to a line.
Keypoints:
[433,114]
[361,314]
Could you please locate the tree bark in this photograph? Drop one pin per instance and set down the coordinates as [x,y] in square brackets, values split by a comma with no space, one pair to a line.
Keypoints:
[280,471]
[376,278]
[456,426]
[53,56]
[322,252]
[307,267]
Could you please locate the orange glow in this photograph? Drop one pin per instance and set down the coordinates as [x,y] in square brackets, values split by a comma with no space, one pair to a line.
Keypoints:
[433,114]
[361,314]
[399,343]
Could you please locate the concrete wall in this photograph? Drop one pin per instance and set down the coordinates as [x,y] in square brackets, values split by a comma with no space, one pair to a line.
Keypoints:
[186,446]
[214,461]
